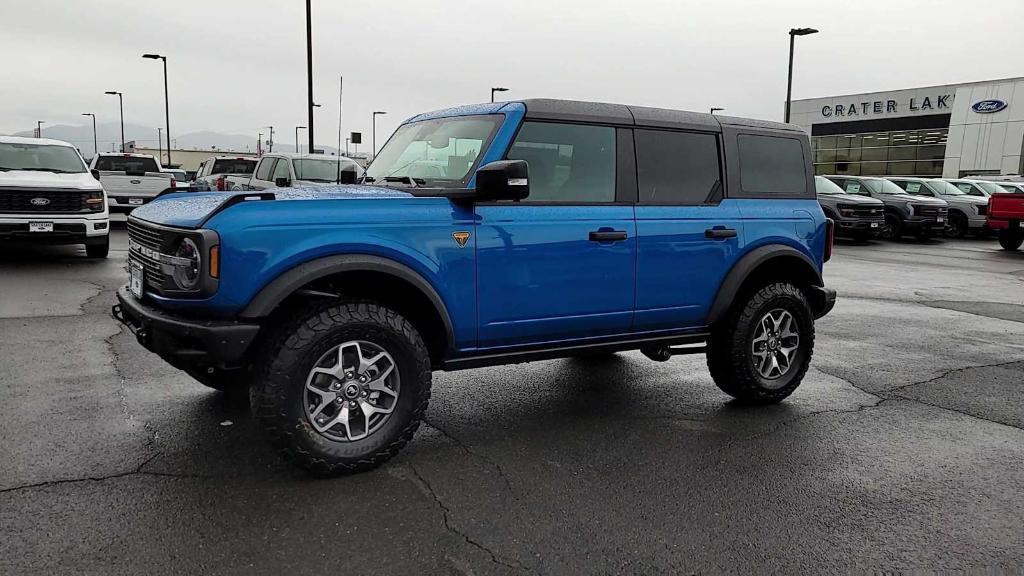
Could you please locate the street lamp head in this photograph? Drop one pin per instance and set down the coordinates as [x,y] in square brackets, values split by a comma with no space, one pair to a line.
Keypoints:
[112,93]
[499,89]
[376,113]
[716,109]
[87,114]
[802,31]
[154,56]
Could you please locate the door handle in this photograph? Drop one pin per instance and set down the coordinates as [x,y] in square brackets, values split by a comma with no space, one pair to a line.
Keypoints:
[720,233]
[607,235]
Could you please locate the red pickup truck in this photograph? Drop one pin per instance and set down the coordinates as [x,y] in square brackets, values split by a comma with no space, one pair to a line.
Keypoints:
[1005,215]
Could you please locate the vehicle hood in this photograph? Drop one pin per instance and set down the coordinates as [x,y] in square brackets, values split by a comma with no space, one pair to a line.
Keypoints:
[192,209]
[922,200]
[850,199]
[32,179]
[967,199]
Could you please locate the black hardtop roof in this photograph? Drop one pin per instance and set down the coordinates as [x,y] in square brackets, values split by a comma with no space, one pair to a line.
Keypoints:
[621,114]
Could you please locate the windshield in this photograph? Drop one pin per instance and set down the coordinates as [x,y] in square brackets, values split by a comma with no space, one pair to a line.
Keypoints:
[322,169]
[987,186]
[442,151]
[233,166]
[1015,188]
[823,185]
[40,158]
[945,188]
[135,164]
[880,186]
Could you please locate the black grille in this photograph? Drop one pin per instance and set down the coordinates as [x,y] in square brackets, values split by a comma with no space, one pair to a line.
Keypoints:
[44,201]
[152,239]
[930,211]
[863,212]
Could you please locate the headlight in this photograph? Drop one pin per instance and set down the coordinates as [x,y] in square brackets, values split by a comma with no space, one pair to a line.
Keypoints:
[187,265]
[910,208]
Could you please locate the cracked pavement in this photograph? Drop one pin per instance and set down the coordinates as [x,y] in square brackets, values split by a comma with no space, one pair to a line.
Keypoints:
[902,450]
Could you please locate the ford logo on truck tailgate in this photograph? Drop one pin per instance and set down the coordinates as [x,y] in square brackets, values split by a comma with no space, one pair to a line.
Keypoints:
[40,201]
[988,106]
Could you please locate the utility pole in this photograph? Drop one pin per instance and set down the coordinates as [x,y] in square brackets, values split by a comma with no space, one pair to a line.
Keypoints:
[270,143]
[309,69]
[259,143]
[298,149]
[793,33]
[39,128]
[167,105]
[341,88]
[159,145]
[374,135]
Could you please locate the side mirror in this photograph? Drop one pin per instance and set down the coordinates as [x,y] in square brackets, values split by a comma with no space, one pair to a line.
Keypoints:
[95,173]
[503,180]
[282,182]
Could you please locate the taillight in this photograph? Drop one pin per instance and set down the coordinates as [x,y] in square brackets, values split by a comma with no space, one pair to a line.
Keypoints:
[830,236]
[174,183]
[221,185]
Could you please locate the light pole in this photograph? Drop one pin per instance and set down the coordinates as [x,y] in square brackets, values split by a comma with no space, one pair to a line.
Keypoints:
[716,109]
[497,89]
[341,87]
[95,147]
[309,69]
[793,33]
[297,149]
[374,135]
[167,105]
[120,102]
[39,128]
[259,143]
[346,147]
[159,145]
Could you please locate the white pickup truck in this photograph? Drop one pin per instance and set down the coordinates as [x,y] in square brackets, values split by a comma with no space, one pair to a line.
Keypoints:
[281,170]
[130,180]
[48,197]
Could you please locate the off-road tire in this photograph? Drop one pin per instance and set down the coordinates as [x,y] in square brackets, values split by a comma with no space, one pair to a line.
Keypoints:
[277,395]
[98,248]
[1011,239]
[729,355]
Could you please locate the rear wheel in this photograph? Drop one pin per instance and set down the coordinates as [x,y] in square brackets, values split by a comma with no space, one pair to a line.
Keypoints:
[761,352]
[1011,239]
[343,387]
[97,248]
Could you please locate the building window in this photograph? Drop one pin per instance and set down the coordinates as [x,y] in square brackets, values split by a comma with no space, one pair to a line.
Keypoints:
[896,153]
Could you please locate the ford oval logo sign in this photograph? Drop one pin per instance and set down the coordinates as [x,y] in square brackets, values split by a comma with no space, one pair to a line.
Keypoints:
[988,106]
[40,201]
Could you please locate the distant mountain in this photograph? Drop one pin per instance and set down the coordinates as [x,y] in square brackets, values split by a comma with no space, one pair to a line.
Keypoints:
[108,136]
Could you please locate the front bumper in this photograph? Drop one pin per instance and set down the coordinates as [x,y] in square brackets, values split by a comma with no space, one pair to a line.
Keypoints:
[917,223]
[67,229]
[859,224]
[185,342]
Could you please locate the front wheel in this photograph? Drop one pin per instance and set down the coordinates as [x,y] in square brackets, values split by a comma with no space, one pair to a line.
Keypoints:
[343,387]
[761,352]
[956,227]
[892,229]
[1011,239]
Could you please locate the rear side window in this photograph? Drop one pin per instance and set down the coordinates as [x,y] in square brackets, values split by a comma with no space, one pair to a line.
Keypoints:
[772,166]
[233,166]
[568,162]
[126,164]
[263,172]
[677,167]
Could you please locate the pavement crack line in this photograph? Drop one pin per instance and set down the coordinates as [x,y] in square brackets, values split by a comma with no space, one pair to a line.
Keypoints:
[950,372]
[122,389]
[446,517]
[137,471]
[955,411]
[462,445]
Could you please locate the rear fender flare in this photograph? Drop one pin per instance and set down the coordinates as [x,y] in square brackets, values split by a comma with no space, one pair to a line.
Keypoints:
[746,266]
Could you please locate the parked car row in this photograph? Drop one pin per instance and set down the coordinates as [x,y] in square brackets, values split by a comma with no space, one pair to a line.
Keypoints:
[864,207]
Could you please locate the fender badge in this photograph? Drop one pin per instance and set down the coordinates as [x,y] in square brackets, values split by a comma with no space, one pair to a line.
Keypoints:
[461,238]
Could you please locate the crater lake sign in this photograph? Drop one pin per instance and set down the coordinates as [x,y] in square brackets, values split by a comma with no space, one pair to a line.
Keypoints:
[856,109]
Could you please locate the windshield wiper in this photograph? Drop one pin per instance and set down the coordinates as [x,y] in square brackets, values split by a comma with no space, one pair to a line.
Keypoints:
[406,180]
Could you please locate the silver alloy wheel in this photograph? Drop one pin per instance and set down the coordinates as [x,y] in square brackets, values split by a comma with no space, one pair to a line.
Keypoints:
[351,391]
[775,344]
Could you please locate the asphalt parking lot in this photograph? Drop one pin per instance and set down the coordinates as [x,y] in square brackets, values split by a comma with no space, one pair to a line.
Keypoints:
[902,450]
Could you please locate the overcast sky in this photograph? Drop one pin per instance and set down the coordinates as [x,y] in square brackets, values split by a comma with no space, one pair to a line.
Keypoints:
[237,65]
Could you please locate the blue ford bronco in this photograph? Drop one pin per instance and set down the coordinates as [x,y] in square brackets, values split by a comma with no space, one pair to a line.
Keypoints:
[484,235]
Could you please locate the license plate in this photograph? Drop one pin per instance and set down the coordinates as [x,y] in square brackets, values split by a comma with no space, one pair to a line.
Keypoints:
[135,201]
[940,219]
[40,226]
[874,224]
[135,277]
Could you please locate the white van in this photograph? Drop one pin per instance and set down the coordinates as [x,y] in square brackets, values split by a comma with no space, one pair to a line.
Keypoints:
[48,196]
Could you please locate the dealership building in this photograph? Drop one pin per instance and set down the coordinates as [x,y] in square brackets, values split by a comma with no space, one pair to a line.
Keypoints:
[951,131]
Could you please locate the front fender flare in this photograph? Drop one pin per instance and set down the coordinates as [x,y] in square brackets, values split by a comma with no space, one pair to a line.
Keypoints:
[268,298]
[742,270]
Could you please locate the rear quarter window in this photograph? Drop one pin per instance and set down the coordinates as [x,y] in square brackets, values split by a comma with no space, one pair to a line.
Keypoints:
[233,166]
[771,166]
